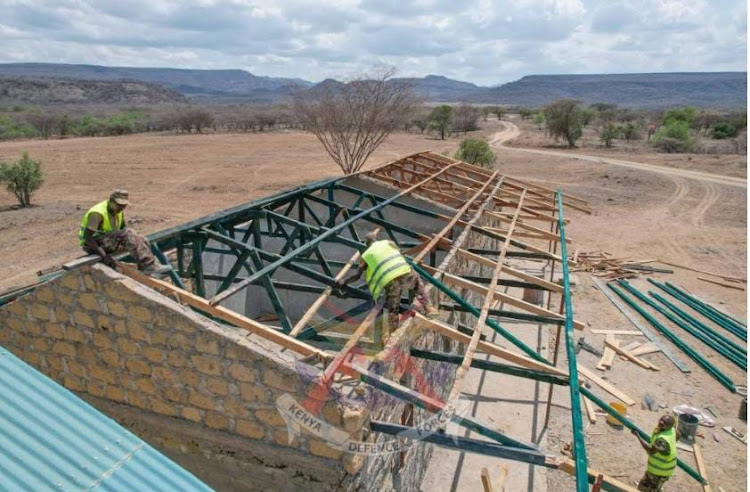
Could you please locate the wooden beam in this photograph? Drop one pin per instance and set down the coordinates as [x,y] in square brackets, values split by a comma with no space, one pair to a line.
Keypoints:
[569,467]
[498,296]
[609,388]
[551,286]
[523,225]
[729,286]
[313,309]
[609,354]
[437,237]
[590,413]
[646,348]
[463,369]
[701,467]
[225,314]
[643,363]
[488,348]
[617,332]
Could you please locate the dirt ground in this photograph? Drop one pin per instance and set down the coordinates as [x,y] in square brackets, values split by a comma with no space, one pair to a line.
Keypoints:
[643,215]
[637,214]
[171,179]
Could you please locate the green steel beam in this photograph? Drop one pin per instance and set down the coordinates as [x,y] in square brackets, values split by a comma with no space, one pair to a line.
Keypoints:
[434,406]
[314,242]
[486,365]
[532,318]
[463,444]
[579,443]
[718,375]
[473,310]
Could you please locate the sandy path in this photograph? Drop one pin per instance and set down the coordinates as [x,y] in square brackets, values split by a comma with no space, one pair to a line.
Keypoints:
[511,131]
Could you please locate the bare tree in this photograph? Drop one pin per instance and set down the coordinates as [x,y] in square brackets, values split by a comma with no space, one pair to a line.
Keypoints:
[352,119]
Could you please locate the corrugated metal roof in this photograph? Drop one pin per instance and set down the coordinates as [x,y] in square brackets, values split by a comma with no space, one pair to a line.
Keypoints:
[52,440]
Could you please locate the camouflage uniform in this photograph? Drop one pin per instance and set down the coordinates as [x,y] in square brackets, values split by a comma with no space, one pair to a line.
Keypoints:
[651,482]
[393,291]
[126,240]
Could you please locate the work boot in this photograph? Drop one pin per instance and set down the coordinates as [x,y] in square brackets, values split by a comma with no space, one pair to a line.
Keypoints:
[156,270]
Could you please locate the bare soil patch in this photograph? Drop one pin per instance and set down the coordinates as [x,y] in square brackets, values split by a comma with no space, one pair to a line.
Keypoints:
[640,214]
[171,178]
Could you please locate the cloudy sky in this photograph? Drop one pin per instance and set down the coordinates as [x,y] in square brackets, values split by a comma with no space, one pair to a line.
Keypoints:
[482,41]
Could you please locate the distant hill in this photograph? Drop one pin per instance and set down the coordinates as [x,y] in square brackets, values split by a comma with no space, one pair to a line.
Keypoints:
[438,88]
[199,84]
[50,91]
[645,90]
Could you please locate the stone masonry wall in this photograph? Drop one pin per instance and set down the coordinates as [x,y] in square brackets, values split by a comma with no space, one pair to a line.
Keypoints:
[106,336]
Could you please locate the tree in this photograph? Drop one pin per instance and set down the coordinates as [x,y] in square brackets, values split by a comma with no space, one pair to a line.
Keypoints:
[352,119]
[539,120]
[630,132]
[475,151]
[22,178]
[564,120]
[442,119]
[608,133]
[525,113]
[500,112]
[466,118]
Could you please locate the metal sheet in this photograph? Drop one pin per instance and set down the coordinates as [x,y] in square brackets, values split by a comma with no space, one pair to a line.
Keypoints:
[52,440]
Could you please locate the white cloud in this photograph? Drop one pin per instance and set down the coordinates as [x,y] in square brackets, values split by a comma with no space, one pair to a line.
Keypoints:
[482,41]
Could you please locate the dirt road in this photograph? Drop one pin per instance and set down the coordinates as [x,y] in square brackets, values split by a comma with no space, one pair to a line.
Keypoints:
[511,131]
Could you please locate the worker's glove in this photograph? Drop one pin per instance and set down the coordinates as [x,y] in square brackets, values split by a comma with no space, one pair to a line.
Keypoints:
[109,261]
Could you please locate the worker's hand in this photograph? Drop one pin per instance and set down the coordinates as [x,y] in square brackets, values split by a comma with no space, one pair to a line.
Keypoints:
[109,261]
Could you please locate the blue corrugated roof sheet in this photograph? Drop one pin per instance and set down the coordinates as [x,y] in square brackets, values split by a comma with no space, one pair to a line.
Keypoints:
[52,440]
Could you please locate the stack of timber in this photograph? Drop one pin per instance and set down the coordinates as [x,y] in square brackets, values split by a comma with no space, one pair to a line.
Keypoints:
[602,264]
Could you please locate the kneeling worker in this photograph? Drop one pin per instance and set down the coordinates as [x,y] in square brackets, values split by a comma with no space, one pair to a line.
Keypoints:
[389,273]
[662,455]
[104,233]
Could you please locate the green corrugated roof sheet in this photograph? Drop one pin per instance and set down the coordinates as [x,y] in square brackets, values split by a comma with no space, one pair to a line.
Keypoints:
[52,440]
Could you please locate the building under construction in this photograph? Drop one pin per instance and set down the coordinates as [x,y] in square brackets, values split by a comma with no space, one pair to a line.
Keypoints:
[249,369]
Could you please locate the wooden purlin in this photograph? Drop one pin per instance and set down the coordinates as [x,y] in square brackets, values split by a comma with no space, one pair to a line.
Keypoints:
[463,369]
[547,194]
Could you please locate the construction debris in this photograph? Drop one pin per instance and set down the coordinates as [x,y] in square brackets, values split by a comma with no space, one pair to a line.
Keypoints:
[602,264]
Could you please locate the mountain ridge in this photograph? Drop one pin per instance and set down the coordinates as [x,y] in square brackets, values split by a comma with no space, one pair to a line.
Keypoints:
[235,86]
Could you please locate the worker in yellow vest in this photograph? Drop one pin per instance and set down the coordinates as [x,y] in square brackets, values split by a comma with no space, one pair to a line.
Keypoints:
[389,274]
[104,232]
[662,455]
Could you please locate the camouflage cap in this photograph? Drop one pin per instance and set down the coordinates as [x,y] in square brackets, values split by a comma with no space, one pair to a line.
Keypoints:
[120,197]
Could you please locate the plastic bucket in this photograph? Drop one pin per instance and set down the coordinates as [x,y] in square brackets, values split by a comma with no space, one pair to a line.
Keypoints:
[687,425]
[619,408]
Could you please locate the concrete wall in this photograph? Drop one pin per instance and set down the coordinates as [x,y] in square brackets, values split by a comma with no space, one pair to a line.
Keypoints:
[107,337]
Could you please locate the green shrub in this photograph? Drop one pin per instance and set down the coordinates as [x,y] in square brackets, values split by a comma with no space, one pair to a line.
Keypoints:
[724,129]
[12,128]
[22,178]
[475,151]
[608,133]
[674,137]
[685,114]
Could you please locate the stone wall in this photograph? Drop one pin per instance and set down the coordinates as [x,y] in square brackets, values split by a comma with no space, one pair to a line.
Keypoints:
[109,338]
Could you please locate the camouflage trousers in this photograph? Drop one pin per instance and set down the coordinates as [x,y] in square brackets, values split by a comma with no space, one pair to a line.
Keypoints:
[126,240]
[651,483]
[393,293]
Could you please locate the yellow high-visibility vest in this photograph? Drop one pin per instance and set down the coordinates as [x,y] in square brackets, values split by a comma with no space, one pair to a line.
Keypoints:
[106,225]
[384,264]
[658,464]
